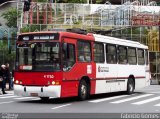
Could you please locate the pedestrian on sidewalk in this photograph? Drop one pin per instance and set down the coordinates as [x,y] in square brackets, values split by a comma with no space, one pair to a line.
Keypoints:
[8,76]
[2,75]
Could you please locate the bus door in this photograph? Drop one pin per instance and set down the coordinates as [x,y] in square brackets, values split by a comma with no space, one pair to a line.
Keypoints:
[68,54]
[68,57]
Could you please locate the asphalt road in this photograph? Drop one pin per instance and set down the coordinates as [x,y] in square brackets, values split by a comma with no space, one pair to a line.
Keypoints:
[146,100]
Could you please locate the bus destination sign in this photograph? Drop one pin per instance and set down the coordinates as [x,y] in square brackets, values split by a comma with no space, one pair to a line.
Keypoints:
[29,37]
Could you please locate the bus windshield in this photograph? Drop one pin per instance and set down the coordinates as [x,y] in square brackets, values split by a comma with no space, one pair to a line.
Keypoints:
[43,56]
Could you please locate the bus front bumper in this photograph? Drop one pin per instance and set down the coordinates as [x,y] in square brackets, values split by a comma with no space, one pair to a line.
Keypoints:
[37,91]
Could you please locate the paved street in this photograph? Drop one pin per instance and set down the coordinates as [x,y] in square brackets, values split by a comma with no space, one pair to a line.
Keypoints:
[146,100]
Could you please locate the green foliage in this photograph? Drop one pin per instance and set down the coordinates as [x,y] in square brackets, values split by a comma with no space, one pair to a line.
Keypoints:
[11,17]
[42,0]
[77,1]
[33,28]
[25,29]
[5,56]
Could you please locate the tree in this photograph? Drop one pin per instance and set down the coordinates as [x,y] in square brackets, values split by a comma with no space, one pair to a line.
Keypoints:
[5,56]
[11,17]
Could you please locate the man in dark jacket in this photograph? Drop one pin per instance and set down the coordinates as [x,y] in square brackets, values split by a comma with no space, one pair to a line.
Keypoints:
[2,74]
[8,76]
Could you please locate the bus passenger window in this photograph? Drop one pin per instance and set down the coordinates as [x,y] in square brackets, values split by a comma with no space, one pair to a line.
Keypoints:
[122,55]
[81,58]
[84,51]
[98,49]
[132,57]
[141,57]
[111,54]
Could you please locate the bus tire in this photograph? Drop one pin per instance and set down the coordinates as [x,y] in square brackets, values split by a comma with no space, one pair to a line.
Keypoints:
[83,90]
[44,99]
[130,86]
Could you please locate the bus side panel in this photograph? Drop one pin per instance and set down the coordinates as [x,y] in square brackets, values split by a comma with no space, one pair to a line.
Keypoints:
[106,75]
[69,88]
[93,86]
[71,78]
[140,79]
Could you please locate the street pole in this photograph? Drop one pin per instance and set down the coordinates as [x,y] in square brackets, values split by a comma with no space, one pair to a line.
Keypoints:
[55,11]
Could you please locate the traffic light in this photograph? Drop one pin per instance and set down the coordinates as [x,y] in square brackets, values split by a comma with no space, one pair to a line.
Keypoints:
[27,4]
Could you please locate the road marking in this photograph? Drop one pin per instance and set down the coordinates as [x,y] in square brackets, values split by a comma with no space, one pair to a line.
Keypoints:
[21,98]
[132,98]
[106,99]
[146,101]
[5,95]
[157,104]
[9,96]
[61,106]
[155,92]
[6,102]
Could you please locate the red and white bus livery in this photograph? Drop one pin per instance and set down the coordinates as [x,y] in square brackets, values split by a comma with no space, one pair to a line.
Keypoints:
[63,64]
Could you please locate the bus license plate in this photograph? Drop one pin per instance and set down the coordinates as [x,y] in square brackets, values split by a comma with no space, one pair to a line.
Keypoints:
[34,94]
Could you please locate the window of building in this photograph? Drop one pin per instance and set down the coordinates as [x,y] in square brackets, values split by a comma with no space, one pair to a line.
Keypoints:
[98,52]
[141,57]
[132,59]
[84,51]
[122,57]
[111,54]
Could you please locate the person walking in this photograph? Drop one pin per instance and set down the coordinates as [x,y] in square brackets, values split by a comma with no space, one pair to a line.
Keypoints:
[8,76]
[2,75]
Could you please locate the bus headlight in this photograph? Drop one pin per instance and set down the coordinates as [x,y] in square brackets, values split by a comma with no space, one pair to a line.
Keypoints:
[53,82]
[17,82]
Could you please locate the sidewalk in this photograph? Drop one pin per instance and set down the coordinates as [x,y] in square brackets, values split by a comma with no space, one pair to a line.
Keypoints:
[7,90]
[10,91]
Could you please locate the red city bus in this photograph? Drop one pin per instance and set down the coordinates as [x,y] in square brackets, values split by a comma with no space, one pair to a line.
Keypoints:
[64,64]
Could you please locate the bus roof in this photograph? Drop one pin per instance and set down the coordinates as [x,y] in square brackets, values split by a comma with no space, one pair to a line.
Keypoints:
[113,40]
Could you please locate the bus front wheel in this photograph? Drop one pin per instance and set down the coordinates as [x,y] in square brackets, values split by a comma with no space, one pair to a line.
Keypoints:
[83,92]
[130,86]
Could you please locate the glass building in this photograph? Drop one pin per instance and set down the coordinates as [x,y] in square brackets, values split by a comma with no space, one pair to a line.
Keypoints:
[137,20]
